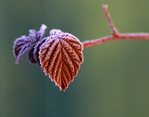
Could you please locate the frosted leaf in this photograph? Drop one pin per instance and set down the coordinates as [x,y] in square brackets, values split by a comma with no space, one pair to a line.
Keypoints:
[60,57]
[33,54]
[33,41]
[37,35]
[21,45]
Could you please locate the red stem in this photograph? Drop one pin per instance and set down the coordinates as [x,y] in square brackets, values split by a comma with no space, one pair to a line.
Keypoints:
[115,34]
[125,36]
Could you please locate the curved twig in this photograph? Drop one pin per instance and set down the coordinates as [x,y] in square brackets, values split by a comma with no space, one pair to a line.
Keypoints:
[115,34]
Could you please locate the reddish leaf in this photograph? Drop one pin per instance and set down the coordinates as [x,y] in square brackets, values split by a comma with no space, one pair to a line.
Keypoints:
[60,57]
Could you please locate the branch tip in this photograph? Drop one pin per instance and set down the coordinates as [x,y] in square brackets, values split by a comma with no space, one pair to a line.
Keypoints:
[115,32]
[104,6]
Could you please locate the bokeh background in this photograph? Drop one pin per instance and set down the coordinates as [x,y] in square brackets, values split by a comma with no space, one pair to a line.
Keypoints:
[113,80]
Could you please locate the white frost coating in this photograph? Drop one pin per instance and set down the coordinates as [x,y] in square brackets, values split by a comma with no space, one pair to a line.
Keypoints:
[43,26]
[56,32]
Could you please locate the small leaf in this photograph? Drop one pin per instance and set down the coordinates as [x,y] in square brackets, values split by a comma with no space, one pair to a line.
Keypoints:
[37,35]
[60,57]
[33,54]
[21,45]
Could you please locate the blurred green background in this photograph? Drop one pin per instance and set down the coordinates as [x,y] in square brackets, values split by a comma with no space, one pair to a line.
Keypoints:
[113,80]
